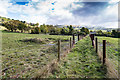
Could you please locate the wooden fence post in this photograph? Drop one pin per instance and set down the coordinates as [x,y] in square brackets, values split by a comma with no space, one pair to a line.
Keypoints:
[92,39]
[78,37]
[96,42]
[70,42]
[59,49]
[73,39]
[104,51]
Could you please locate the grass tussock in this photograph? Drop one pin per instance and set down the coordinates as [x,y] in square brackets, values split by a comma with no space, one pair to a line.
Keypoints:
[35,40]
[51,68]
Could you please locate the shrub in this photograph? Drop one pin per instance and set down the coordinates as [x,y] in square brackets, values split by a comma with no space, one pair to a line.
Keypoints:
[37,30]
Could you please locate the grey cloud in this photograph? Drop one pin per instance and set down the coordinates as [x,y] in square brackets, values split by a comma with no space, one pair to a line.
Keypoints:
[90,8]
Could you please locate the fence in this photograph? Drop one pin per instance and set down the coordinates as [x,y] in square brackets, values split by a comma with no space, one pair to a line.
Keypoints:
[61,49]
[103,48]
[66,47]
[108,57]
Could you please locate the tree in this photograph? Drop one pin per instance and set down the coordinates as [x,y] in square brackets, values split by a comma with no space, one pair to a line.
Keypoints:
[37,30]
[99,32]
[52,30]
[57,30]
[23,21]
[113,32]
[44,29]
[41,28]
[91,31]
[11,25]
[70,29]
[66,30]
[116,33]
[84,30]
[76,32]
[63,31]
[7,25]
[28,28]
[37,24]
[22,26]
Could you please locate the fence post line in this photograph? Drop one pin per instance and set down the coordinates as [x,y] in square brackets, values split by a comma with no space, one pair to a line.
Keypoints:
[78,37]
[104,51]
[70,42]
[73,39]
[96,42]
[59,49]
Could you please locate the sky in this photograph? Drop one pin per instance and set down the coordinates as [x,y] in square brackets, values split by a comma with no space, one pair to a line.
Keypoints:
[63,12]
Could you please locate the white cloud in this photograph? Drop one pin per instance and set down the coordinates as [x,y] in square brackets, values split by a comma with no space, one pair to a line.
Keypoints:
[35,0]
[41,11]
[75,6]
[113,1]
[34,19]
[44,8]
[110,16]
[4,4]
[107,17]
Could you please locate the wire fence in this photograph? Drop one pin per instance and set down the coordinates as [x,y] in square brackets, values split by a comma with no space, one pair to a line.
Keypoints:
[111,56]
[100,48]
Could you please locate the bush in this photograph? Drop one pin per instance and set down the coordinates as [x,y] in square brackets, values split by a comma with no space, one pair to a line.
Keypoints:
[37,30]
[85,30]
[32,32]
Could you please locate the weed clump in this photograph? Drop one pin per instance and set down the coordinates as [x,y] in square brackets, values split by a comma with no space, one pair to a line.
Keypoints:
[35,40]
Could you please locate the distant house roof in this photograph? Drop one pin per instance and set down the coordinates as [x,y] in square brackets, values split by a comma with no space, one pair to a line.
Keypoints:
[92,32]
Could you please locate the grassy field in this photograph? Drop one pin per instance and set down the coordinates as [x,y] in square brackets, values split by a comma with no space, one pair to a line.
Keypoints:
[111,49]
[22,58]
[81,62]
[25,54]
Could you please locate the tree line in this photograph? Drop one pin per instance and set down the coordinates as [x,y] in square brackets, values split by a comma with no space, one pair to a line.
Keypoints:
[14,25]
[114,33]
[21,26]
[54,30]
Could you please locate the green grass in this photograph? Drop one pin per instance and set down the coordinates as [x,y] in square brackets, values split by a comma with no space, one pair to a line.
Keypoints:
[24,59]
[82,62]
[111,49]
[110,40]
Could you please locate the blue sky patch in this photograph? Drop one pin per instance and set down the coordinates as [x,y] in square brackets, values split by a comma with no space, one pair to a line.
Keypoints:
[53,8]
[22,3]
[52,3]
